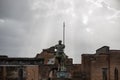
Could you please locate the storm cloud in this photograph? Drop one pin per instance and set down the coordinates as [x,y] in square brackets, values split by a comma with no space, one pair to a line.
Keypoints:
[28,26]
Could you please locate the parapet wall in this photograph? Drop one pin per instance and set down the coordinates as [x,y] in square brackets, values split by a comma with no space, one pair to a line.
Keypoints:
[104,49]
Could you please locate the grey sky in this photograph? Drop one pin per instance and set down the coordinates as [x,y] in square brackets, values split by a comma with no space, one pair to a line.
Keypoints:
[28,26]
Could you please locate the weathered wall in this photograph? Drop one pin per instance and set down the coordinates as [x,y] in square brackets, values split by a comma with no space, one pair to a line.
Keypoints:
[105,61]
[32,72]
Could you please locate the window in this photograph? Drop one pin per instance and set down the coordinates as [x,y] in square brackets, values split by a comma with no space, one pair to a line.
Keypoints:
[116,74]
[104,73]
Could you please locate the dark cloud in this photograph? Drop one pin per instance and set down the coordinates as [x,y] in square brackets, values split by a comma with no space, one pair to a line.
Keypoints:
[12,35]
[15,9]
[16,17]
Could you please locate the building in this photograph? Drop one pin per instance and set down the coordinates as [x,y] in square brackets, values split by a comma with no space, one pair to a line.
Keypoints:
[103,65]
[48,70]
[19,68]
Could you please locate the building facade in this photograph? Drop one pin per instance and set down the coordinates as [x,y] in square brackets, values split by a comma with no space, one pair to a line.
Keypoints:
[103,65]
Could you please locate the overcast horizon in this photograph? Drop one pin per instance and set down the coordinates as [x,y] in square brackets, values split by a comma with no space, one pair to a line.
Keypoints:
[28,26]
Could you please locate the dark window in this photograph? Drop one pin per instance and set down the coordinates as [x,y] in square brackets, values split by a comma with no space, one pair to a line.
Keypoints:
[104,73]
[116,74]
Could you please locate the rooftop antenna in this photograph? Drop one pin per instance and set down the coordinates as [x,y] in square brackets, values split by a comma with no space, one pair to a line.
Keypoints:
[64,33]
